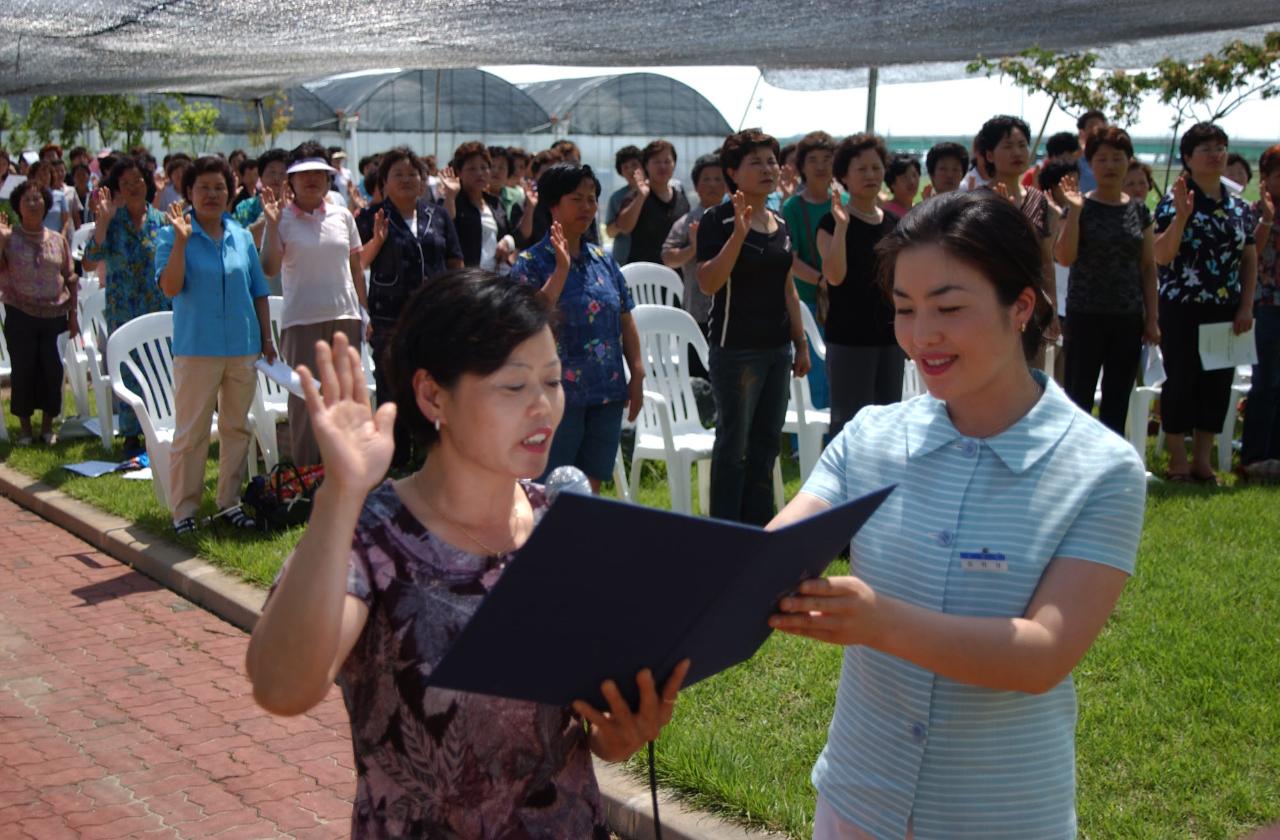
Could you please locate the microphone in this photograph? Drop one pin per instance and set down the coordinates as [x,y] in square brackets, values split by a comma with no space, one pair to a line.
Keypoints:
[566,479]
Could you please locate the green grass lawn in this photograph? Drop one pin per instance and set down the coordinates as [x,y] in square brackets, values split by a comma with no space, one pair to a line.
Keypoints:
[1179,733]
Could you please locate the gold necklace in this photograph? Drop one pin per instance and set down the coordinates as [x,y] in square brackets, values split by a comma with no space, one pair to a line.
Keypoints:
[489,552]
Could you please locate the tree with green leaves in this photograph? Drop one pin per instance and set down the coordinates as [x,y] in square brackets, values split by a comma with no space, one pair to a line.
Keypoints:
[274,113]
[198,121]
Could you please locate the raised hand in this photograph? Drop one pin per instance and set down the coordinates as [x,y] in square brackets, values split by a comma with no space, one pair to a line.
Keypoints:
[1184,198]
[1267,205]
[5,232]
[838,210]
[741,214]
[1070,186]
[181,224]
[449,182]
[530,194]
[356,443]
[271,205]
[381,226]
[1002,190]
[927,192]
[618,733]
[561,246]
[105,204]
[355,200]
[787,181]
[693,233]
[640,183]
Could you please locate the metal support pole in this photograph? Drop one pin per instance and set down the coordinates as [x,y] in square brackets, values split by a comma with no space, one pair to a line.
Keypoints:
[436,145]
[873,79]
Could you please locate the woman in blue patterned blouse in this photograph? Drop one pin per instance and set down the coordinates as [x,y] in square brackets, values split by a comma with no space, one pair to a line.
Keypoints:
[596,330]
[124,240]
[1208,268]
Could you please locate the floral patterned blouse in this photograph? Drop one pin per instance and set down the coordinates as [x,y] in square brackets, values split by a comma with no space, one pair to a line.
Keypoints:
[1268,290]
[434,762]
[130,257]
[1207,267]
[589,340]
[36,276]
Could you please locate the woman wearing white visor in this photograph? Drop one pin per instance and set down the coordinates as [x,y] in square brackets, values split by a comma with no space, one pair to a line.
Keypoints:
[315,247]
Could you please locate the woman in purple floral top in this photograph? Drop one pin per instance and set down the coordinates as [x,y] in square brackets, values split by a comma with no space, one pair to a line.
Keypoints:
[388,573]
[595,331]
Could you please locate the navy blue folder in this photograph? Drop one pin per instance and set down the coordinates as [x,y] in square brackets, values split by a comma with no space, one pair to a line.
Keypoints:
[603,589]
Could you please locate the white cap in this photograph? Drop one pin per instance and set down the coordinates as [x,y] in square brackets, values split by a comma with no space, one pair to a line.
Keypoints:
[310,165]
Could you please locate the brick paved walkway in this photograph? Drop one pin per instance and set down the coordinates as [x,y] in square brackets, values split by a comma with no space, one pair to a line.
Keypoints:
[125,712]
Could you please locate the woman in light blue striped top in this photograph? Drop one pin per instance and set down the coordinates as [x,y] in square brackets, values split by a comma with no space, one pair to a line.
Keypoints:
[989,571]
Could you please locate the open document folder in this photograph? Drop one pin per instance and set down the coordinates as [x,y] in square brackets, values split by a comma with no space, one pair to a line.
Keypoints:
[604,589]
[283,375]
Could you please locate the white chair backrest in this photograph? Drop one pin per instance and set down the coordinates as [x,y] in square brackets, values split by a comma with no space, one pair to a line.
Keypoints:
[272,392]
[812,333]
[93,316]
[652,284]
[6,366]
[144,348]
[80,240]
[665,336]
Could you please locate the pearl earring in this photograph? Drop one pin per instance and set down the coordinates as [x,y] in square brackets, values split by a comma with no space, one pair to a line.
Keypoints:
[438,419]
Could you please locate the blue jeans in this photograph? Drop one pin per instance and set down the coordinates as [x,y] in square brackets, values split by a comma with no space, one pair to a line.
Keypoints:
[587,438]
[751,388]
[1262,414]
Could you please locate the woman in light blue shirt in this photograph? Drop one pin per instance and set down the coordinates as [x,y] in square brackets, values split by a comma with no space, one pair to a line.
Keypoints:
[987,574]
[208,264]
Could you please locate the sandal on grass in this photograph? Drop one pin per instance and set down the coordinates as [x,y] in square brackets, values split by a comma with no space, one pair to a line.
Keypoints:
[1210,480]
[238,518]
[1178,477]
[184,526]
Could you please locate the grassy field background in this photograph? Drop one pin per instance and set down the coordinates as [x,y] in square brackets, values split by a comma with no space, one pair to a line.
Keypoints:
[1179,733]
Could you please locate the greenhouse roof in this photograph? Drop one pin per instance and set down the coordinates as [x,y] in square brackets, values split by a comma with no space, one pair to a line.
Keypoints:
[630,103]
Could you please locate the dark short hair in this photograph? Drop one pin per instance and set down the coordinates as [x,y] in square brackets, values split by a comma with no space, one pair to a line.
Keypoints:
[1062,143]
[245,163]
[125,164]
[566,147]
[625,154]
[79,166]
[77,151]
[702,163]
[1236,157]
[464,321]
[560,179]
[175,161]
[207,165]
[814,141]
[1134,163]
[497,153]
[1203,132]
[1269,161]
[1113,136]
[543,159]
[990,234]
[740,144]
[514,152]
[996,129]
[240,153]
[1088,116]
[1051,174]
[368,159]
[655,148]
[943,150]
[898,166]
[468,150]
[394,156]
[51,147]
[854,145]
[15,197]
[271,156]
[787,151]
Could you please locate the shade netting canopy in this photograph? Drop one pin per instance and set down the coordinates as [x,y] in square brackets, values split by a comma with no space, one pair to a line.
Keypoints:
[630,103]
[248,48]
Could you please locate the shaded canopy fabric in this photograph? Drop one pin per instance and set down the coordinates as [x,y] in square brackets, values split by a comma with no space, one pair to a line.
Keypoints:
[631,103]
[249,48]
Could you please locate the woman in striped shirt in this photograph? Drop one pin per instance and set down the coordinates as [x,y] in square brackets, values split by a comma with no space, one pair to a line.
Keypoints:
[987,574]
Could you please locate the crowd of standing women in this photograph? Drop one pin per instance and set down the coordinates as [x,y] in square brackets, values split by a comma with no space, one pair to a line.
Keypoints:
[760,233]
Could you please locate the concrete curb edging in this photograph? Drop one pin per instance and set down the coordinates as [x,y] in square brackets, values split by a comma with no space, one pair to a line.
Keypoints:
[627,803]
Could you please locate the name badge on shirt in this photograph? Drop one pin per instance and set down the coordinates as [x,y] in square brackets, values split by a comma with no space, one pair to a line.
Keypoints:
[985,560]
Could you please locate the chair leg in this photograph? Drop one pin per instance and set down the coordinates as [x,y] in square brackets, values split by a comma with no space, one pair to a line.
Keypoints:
[810,450]
[1139,405]
[704,486]
[1227,435]
[779,497]
[620,482]
[636,462]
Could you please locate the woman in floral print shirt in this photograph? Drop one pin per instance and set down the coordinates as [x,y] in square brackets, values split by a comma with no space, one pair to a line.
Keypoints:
[1208,266]
[388,573]
[595,331]
[124,241]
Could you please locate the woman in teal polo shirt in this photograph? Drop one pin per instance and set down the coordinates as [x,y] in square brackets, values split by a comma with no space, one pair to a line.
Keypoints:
[208,264]
[989,571]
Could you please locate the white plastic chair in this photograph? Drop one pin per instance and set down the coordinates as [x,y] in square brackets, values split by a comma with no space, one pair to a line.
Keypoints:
[653,284]
[668,428]
[80,240]
[144,347]
[93,336]
[807,423]
[274,399]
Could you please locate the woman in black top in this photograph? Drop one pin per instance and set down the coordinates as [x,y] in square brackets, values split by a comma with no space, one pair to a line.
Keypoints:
[483,229]
[407,241]
[1108,242]
[864,361]
[658,204]
[745,261]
